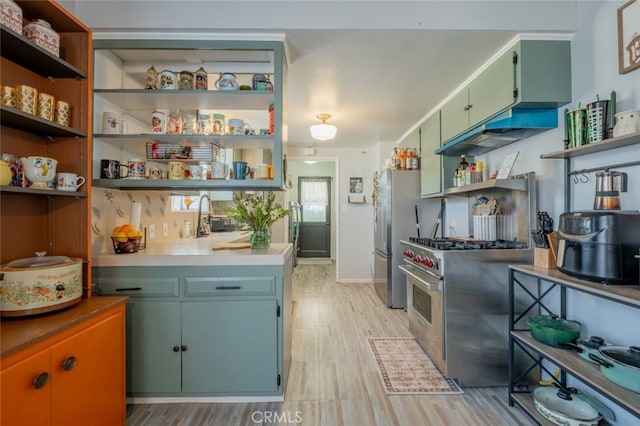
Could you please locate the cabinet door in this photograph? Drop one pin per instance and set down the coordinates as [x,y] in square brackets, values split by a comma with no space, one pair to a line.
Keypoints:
[455,116]
[231,347]
[88,376]
[412,141]
[153,347]
[430,163]
[22,403]
[492,90]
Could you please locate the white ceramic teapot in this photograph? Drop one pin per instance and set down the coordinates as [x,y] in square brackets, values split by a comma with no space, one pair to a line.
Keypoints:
[227,81]
[627,122]
[40,171]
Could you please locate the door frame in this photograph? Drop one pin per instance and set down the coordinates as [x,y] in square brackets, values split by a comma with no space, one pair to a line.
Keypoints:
[335,211]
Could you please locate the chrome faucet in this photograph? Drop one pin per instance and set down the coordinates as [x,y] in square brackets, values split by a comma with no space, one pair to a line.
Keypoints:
[201,230]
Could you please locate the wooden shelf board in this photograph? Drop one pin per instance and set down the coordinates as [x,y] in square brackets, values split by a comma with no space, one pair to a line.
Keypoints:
[17,119]
[18,49]
[525,401]
[41,192]
[514,184]
[627,294]
[585,371]
[619,142]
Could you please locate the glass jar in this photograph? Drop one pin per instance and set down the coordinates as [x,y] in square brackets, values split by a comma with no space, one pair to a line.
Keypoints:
[188,123]
[218,125]
[204,124]
[174,122]
[260,239]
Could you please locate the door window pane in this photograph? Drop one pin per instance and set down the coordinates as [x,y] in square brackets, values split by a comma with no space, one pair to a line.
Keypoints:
[314,197]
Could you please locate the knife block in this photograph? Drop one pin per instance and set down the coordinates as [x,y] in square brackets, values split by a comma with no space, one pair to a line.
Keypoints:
[544,258]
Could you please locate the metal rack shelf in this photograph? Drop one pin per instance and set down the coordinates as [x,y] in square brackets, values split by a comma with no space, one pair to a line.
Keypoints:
[568,361]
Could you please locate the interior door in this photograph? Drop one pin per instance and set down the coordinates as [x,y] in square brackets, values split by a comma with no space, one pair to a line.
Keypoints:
[314,194]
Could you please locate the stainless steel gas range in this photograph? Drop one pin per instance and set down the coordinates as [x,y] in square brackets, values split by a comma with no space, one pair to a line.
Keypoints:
[458,306]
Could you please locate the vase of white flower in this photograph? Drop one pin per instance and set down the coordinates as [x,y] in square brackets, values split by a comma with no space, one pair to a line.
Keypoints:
[260,239]
[259,212]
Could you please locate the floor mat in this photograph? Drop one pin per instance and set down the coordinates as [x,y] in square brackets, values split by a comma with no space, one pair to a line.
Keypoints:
[406,369]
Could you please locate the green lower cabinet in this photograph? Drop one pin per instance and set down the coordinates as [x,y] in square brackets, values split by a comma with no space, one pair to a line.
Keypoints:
[153,347]
[204,331]
[229,347]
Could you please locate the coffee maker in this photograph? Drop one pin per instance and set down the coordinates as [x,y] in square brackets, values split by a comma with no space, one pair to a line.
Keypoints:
[608,190]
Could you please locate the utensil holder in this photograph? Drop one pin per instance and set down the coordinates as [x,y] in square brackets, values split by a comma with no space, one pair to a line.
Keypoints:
[484,228]
[543,258]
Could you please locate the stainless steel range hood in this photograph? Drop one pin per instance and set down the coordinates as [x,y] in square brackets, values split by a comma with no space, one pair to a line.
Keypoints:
[505,128]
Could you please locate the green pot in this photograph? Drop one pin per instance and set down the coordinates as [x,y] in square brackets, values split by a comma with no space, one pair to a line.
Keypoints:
[551,330]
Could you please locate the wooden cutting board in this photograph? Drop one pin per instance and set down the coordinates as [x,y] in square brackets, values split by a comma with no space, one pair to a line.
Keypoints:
[231,246]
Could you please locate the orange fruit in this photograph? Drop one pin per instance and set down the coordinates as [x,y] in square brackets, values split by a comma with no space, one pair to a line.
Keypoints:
[126,228]
[120,237]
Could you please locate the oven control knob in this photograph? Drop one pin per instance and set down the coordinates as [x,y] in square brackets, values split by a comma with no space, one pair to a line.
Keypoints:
[428,262]
[417,259]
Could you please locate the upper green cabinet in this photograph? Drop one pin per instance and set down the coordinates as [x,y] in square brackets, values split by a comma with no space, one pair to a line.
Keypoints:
[436,171]
[411,141]
[533,74]
[490,92]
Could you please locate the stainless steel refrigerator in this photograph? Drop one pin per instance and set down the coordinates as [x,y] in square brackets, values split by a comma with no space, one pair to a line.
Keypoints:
[395,219]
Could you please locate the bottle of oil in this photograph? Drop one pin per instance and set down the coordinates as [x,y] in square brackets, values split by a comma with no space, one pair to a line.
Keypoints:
[460,170]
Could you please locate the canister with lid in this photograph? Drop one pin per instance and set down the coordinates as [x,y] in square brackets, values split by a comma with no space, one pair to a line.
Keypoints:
[218,125]
[40,32]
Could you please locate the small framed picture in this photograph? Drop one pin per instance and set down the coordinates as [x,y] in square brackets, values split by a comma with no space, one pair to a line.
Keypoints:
[629,36]
[355,185]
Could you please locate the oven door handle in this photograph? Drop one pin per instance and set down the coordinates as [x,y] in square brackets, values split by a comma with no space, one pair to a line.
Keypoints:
[432,283]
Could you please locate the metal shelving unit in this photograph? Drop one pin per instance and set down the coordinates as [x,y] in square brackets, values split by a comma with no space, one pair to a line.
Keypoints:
[568,361]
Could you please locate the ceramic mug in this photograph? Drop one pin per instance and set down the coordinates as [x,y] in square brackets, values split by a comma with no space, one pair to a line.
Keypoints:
[240,170]
[68,181]
[186,80]
[168,80]
[219,170]
[155,172]
[111,123]
[158,122]
[194,172]
[263,171]
[176,170]
[235,126]
[136,168]
[110,169]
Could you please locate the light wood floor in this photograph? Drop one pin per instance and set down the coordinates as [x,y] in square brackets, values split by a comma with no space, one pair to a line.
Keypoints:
[334,378]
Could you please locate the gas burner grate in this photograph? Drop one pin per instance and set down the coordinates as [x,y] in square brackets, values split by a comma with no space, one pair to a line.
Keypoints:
[454,244]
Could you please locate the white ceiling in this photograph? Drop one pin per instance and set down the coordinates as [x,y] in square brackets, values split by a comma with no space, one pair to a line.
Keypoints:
[378,67]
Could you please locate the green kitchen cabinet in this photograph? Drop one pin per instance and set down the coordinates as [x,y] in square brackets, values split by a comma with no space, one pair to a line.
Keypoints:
[204,330]
[530,74]
[411,141]
[436,171]
[239,352]
[153,346]
[489,93]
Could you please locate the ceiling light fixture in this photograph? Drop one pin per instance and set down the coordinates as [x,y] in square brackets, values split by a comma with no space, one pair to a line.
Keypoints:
[323,131]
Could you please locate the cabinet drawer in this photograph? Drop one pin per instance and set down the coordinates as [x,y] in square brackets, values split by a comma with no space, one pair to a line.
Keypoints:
[132,287]
[229,286]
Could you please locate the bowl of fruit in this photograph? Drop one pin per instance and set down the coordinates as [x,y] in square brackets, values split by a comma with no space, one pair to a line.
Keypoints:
[126,239]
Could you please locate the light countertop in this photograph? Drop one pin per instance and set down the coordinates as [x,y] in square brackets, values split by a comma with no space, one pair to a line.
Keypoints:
[198,252]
